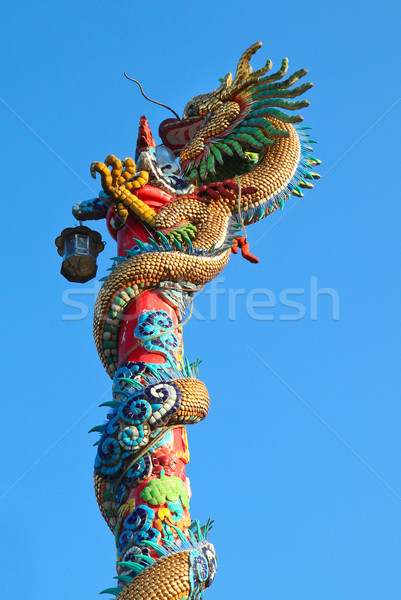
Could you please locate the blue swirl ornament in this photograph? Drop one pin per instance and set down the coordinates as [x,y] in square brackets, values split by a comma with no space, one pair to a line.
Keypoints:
[113,425]
[108,451]
[132,554]
[123,372]
[135,411]
[125,376]
[140,518]
[198,574]
[120,495]
[125,540]
[140,471]
[154,323]
[151,535]
[134,436]
[158,393]
[210,555]
[166,401]
[200,566]
[108,472]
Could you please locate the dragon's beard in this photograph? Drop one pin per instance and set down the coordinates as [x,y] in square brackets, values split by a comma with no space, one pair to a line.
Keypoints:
[196,171]
[202,160]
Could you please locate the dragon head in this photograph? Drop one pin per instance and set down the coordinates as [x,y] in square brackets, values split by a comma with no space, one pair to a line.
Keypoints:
[226,132]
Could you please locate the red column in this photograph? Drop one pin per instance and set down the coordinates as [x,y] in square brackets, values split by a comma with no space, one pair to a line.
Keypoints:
[171,457]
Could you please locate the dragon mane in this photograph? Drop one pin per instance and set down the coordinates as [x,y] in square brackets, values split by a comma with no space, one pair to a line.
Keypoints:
[235,130]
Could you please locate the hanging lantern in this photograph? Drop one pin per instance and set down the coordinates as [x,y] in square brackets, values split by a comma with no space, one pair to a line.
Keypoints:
[79,247]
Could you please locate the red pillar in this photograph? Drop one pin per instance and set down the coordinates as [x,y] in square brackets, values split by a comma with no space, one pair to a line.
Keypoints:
[171,457]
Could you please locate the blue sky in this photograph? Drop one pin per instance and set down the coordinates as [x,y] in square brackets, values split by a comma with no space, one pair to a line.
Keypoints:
[298,461]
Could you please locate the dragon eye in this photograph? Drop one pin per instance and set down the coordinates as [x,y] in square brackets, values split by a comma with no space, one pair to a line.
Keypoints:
[192,112]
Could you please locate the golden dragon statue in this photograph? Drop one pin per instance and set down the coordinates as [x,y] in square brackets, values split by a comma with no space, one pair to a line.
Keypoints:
[242,154]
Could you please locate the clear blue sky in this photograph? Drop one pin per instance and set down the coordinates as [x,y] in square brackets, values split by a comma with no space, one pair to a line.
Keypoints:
[299,459]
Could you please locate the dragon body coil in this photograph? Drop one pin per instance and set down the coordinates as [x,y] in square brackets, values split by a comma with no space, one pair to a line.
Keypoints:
[242,154]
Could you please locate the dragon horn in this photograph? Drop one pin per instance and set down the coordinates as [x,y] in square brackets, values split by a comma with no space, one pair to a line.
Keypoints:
[243,67]
[225,84]
[145,137]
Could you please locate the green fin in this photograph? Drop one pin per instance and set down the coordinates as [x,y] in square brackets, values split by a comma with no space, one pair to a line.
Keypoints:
[225,148]
[306,184]
[237,147]
[124,578]
[97,428]
[153,243]
[211,165]
[162,237]
[203,171]
[216,151]
[131,566]
[115,591]
[111,404]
